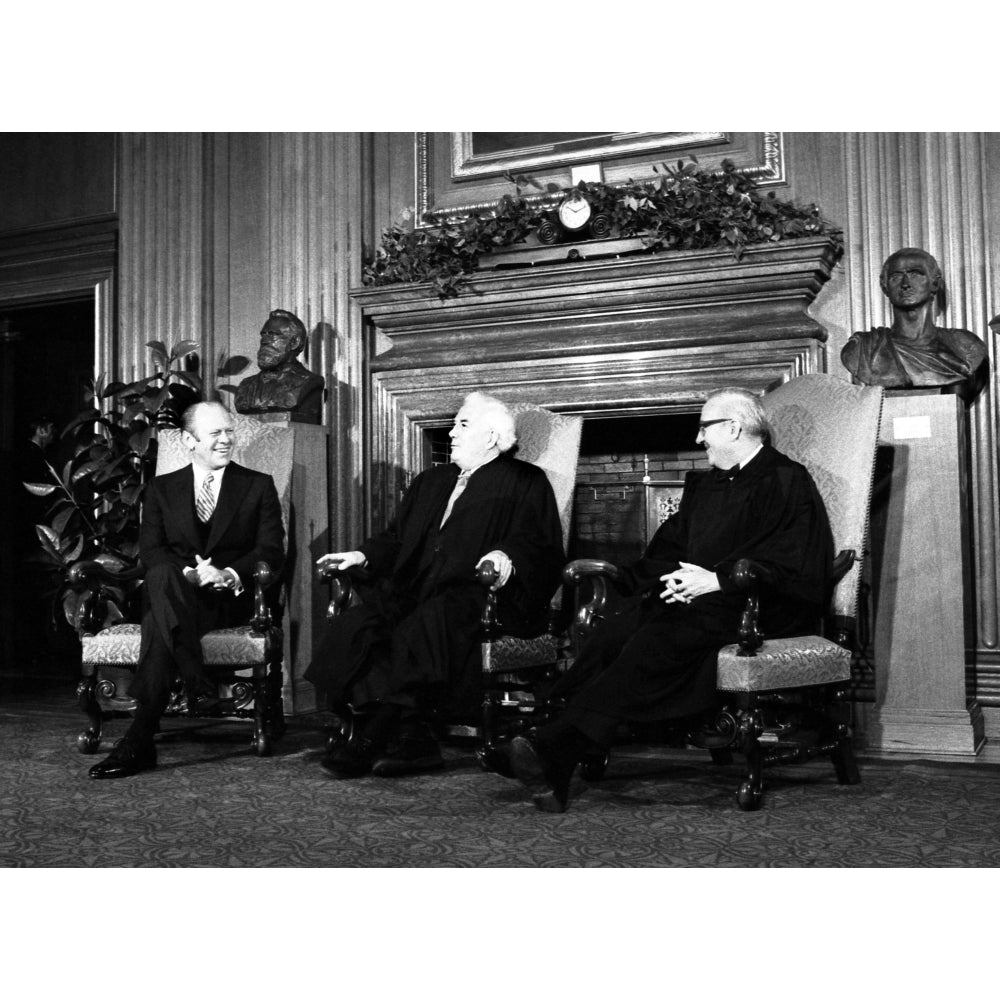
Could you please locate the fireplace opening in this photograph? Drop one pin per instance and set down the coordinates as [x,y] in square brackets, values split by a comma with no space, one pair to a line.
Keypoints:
[629,478]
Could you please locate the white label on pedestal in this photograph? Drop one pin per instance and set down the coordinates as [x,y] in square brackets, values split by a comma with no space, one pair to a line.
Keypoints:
[911,427]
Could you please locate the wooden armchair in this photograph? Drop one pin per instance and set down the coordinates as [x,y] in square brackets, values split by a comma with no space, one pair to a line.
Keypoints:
[246,659]
[782,701]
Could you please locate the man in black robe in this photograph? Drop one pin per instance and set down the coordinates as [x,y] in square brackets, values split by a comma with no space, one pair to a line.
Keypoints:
[413,644]
[656,660]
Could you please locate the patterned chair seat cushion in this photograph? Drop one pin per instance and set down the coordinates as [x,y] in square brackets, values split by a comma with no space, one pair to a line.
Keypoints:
[119,646]
[783,663]
[510,653]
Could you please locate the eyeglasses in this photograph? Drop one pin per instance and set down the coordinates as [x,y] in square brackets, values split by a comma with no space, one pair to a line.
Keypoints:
[702,424]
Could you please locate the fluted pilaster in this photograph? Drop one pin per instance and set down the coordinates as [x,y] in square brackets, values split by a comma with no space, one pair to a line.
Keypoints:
[162,201]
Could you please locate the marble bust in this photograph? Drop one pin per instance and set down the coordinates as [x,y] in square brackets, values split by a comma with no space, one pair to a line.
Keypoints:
[283,385]
[914,353]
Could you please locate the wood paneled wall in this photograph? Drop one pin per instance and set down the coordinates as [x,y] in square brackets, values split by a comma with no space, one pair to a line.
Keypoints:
[217,229]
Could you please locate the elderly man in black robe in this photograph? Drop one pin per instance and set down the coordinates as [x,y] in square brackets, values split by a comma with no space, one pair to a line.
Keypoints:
[413,644]
[656,660]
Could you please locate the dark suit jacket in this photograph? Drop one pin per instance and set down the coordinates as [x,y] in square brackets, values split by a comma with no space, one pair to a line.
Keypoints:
[246,524]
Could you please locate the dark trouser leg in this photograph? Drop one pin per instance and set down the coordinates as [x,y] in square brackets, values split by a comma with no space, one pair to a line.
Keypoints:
[647,666]
[172,623]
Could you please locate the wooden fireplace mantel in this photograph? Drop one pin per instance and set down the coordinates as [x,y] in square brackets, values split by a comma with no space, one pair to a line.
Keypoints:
[653,333]
[685,298]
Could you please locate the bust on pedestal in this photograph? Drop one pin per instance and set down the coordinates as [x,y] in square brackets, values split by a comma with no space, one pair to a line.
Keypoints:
[914,353]
[286,391]
[921,558]
[284,386]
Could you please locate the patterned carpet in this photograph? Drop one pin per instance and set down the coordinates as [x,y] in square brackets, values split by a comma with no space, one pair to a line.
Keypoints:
[211,802]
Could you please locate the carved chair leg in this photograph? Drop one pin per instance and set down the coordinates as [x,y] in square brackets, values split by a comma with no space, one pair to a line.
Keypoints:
[492,758]
[844,763]
[750,792]
[276,719]
[261,713]
[86,697]
[842,755]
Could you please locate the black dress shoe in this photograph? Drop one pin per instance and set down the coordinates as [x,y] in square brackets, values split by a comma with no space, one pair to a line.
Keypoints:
[544,771]
[127,758]
[353,759]
[410,755]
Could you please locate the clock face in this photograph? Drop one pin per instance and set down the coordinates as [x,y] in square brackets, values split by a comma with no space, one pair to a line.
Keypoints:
[574,212]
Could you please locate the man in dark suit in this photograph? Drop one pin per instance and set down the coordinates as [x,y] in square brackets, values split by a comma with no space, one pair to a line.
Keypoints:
[414,642]
[204,529]
[656,660]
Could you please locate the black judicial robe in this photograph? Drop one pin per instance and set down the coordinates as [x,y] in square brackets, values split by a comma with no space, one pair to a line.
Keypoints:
[417,629]
[657,661]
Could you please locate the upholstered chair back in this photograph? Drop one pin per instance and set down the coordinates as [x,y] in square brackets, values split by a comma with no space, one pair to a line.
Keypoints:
[831,427]
[552,442]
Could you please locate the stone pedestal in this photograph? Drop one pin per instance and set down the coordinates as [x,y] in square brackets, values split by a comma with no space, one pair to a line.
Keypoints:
[921,573]
[308,539]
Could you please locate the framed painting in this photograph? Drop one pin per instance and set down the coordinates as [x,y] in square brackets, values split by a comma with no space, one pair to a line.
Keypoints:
[482,154]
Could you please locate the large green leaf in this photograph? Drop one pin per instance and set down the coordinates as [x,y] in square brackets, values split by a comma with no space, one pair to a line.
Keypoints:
[61,519]
[39,489]
[84,417]
[85,470]
[49,539]
[74,551]
[232,366]
[159,350]
[184,348]
[140,442]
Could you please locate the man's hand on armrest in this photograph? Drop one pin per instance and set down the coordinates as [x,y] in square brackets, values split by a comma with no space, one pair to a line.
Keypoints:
[340,561]
[503,565]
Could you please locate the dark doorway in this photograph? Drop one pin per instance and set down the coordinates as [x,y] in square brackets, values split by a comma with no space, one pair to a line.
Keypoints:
[47,367]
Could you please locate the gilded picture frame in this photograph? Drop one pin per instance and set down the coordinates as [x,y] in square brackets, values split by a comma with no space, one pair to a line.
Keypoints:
[456,173]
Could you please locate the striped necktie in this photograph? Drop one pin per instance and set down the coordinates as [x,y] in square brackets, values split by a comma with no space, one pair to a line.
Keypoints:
[463,481]
[205,501]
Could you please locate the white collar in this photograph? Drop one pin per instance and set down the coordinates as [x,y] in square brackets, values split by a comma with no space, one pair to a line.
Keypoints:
[751,456]
[200,474]
[468,472]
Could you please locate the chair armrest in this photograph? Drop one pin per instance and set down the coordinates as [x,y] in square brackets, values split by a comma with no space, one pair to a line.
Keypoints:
[747,575]
[580,569]
[92,579]
[842,562]
[343,593]
[90,573]
[263,577]
[487,574]
[599,573]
